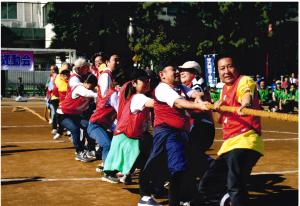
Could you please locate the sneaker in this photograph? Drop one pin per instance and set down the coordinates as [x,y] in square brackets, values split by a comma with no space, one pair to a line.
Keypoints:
[167,185]
[126,179]
[185,204]
[110,179]
[225,201]
[56,136]
[119,174]
[81,156]
[54,131]
[68,133]
[99,168]
[91,154]
[50,121]
[21,99]
[148,201]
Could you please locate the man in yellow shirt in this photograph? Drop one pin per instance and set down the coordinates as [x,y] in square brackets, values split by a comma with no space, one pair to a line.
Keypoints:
[242,146]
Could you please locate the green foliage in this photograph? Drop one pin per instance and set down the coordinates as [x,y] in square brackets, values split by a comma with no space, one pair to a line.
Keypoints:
[91,27]
[199,28]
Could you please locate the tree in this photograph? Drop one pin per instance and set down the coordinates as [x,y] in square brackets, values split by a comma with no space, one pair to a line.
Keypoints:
[200,28]
[91,27]
[203,28]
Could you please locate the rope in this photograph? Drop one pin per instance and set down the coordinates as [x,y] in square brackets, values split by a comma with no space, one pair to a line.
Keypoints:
[260,113]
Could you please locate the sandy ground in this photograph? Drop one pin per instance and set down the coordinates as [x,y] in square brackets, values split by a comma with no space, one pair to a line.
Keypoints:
[37,170]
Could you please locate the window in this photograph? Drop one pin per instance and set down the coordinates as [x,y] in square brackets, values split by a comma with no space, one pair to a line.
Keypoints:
[46,9]
[9,10]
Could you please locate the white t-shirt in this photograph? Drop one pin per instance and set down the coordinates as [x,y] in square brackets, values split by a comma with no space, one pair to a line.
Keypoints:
[165,93]
[138,102]
[73,81]
[113,101]
[104,82]
[82,91]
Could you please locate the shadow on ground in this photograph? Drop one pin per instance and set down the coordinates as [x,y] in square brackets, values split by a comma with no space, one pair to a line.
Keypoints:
[20,180]
[268,192]
[10,152]
[264,189]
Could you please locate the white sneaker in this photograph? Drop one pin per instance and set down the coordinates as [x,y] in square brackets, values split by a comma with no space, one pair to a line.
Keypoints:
[56,136]
[68,133]
[225,201]
[21,99]
[50,121]
[54,131]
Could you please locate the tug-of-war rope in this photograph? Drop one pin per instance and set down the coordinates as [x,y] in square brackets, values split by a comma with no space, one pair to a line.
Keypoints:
[259,113]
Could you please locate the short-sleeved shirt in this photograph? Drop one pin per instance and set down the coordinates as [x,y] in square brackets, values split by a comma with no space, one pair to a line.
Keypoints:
[250,139]
[165,93]
[263,95]
[138,102]
[104,82]
[277,93]
[215,96]
[296,95]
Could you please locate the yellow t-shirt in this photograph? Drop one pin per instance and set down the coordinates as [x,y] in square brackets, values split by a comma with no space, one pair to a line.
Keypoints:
[250,139]
[61,84]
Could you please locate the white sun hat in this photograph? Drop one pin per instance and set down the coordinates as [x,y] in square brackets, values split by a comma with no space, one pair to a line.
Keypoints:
[191,65]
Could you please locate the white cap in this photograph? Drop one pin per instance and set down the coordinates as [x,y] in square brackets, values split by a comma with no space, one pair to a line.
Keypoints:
[191,65]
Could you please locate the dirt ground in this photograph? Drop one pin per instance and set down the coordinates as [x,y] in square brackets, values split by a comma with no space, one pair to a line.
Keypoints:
[37,170]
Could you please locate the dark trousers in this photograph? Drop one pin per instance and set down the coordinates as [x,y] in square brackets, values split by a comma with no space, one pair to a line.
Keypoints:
[74,123]
[171,143]
[201,138]
[53,106]
[229,173]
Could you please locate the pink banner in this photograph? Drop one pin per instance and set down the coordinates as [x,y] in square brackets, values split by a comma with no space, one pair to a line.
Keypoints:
[17,60]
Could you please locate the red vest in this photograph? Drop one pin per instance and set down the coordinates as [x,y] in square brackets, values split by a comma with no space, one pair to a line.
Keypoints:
[109,74]
[131,124]
[104,114]
[171,116]
[234,124]
[74,106]
[122,99]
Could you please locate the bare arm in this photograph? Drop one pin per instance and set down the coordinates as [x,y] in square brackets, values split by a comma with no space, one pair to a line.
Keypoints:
[184,104]
[246,102]
[149,103]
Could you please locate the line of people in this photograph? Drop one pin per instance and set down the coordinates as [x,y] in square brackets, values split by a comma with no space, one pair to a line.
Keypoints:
[104,104]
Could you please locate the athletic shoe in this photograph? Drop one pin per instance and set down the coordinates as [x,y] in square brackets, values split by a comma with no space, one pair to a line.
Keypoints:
[110,179]
[99,168]
[225,201]
[54,131]
[50,121]
[148,201]
[185,204]
[166,185]
[68,133]
[56,136]
[126,179]
[91,154]
[21,99]
[82,157]
[119,175]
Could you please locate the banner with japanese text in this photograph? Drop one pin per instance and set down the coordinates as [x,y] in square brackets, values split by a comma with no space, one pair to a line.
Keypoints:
[17,60]
[210,70]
